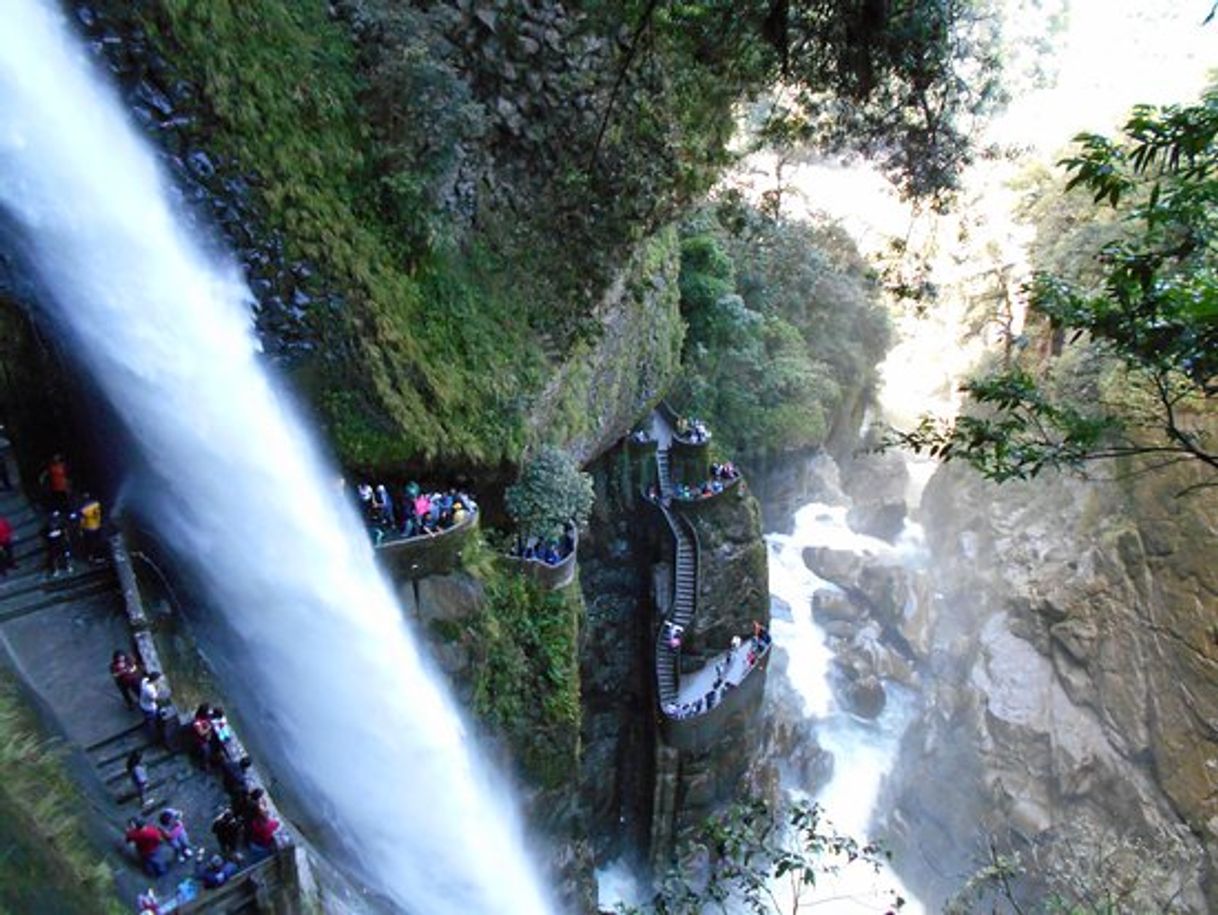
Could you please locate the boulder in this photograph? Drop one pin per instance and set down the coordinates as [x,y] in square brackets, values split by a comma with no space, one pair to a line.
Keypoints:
[865,696]
[882,520]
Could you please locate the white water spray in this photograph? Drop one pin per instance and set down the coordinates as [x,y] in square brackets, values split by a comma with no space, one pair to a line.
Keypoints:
[363,730]
[863,751]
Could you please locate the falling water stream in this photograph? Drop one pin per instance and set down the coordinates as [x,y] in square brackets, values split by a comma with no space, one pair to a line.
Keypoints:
[361,729]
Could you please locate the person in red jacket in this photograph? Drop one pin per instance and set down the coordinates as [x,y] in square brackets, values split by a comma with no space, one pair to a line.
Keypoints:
[262,831]
[57,482]
[6,547]
[147,840]
[126,676]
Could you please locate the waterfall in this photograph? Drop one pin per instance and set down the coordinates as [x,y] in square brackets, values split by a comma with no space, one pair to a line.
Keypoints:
[362,731]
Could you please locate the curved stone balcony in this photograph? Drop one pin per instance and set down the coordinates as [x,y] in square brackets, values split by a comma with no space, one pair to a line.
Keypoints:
[427,554]
[547,575]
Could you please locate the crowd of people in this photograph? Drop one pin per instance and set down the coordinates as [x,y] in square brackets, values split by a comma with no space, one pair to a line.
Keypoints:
[74,524]
[721,477]
[723,682]
[411,512]
[692,430]
[245,829]
[548,550]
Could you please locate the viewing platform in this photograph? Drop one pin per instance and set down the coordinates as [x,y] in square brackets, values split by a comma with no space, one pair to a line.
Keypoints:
[428,554]
[550,576]
[59,634]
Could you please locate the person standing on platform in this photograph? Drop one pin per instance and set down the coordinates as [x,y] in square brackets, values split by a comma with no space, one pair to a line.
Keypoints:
[57,482]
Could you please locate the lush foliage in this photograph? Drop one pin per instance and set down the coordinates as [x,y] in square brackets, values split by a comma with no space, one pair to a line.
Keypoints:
[552,491]
[48,864]
[526,670]
[758,859]
[450,232]
[1146,307]
[784,324]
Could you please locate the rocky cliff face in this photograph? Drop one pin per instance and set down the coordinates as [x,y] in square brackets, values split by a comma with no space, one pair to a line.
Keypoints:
[1072,691]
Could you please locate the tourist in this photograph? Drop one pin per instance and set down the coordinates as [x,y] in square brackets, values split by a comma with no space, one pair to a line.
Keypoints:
[126,677]
[364,491]
[57,483]
[249,807]
[174,831]
[150,700]
[59,551]
[675,631]
[550,557]
[382,506]
[227,829]
[236,775]
[216,872]
[146,903]
[90,514]
[7,561]
[221,733]
[761,636]
[147,840]
[201,732]
[139,776]
[262,830]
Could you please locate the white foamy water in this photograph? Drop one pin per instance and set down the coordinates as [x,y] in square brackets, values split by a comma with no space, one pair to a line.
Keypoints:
[361,730]
[863,751]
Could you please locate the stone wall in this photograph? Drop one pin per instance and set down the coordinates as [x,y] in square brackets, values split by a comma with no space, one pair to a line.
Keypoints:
[1073,686]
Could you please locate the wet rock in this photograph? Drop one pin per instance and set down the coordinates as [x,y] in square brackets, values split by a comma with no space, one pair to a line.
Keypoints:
[882,520]
[151,97]
[200,165]
[841,567]
[865,696]
[828,605]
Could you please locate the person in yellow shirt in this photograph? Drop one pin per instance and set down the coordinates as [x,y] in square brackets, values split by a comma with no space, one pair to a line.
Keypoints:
[90,515]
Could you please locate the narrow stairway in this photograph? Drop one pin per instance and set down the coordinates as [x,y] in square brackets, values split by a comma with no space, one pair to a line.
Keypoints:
[685,571]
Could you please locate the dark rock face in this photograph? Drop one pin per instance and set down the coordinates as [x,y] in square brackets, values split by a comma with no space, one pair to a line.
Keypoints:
[616,677]
[216,195]
[733,585]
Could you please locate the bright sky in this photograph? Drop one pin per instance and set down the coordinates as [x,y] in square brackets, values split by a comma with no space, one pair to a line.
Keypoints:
[1115,54]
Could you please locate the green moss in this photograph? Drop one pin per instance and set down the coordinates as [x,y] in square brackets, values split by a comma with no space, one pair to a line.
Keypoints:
[526,680]
[47,863]
[439,349]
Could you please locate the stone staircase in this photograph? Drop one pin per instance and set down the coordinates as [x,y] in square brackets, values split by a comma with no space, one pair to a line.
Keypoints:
[685,584]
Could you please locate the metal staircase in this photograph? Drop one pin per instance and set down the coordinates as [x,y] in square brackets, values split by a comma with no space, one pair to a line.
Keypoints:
[685,584]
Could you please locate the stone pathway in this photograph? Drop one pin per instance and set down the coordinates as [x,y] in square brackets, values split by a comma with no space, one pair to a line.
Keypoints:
[59,634]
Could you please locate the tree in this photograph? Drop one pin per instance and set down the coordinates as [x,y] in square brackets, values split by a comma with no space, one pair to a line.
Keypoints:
[899,82]
[1148,313]
[552,491]
[756,858]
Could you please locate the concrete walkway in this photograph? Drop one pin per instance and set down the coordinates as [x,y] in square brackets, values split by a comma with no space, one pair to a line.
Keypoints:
[58,635]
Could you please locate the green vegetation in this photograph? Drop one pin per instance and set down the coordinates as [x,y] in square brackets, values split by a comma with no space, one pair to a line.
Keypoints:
[526,673]
[47,864]
[524,646]
[1130,317]
[552,492]
[452,224]
[762,860]
[784,325]
[430,350]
